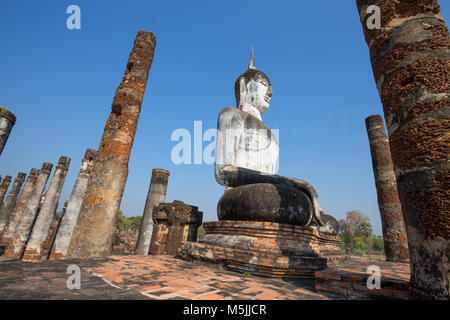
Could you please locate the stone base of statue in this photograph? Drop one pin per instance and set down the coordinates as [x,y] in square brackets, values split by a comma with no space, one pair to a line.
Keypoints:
[265,248]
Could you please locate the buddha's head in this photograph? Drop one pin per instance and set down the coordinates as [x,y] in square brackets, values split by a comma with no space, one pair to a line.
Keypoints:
[253,90]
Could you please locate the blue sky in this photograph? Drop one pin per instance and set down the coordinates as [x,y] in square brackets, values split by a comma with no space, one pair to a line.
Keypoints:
[60,83]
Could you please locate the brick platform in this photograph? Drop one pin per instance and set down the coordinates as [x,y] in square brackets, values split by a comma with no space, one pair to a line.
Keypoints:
[349,279]
[265,248]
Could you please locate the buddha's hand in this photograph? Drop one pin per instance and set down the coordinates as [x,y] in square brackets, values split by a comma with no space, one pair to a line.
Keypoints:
[312,194]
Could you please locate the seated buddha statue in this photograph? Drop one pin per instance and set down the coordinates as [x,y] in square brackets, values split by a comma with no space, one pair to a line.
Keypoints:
[246,162]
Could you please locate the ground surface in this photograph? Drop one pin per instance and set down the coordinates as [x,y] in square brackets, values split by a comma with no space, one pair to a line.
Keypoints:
[137,277]
[166,277]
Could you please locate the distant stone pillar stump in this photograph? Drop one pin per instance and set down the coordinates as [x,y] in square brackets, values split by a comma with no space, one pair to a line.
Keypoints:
[394,233]
[156,195]
[70,215]
[4,187]
[38,238]
[94,232]
[174,223]
[8,205]
[18,242]
[17,211]
[7,121]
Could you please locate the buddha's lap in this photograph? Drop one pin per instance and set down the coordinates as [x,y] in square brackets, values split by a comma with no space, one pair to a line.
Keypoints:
[265,202]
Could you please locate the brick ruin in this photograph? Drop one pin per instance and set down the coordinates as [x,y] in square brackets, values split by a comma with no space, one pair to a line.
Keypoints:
[174,223]
[394,233]
[93,233]
[124,242]
[410,57]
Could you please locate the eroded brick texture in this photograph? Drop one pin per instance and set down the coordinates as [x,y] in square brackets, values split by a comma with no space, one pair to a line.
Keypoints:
[394,233]
[156,195]
[8,205]
[410,58]
[35,249]
[174,223]
[94,231]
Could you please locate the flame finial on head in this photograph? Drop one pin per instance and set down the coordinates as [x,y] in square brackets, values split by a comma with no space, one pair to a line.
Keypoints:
[252,65]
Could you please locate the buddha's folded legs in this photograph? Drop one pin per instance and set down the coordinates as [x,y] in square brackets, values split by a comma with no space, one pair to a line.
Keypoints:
[233,176]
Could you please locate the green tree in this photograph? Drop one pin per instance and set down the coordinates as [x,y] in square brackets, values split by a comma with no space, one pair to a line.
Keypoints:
[359,246]
[378,244]
[123,222]
[200,232]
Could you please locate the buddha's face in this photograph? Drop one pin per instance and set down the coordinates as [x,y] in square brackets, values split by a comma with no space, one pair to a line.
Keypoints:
[258,93]
[254,90]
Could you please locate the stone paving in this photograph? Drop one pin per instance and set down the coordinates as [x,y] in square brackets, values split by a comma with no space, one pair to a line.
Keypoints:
[138,277]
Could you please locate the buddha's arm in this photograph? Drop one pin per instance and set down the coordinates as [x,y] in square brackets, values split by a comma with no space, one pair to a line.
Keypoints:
[233,176]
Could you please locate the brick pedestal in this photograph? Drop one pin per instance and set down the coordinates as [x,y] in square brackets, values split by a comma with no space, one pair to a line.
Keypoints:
[265,248]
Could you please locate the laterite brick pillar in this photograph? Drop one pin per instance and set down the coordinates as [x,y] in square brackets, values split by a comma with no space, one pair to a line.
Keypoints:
[410,56]
[94,231]
[156,195]
[7,121]
[70,216]
[16,214]
[18,242]
[4,187]
[394,233]
[39,234]
[8,205]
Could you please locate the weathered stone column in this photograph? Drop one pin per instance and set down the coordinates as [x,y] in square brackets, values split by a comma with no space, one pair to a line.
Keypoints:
[394,233]
[8,205]
[17,212]
[20,237]
[410,56]
[4,187]
[156,195]
[70,216]
[7,121]
[93,234]
[39,234]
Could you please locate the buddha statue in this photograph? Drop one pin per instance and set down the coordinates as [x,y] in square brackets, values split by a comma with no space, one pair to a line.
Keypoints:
[246,162]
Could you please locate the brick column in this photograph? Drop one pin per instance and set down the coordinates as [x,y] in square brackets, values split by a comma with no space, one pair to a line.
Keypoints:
[17,212]
[20,237]
[410,56]
[39,234]
[156,195]
[4,187]
[93,234]
[7,121]
[394,233]
[70,216]
[8,205]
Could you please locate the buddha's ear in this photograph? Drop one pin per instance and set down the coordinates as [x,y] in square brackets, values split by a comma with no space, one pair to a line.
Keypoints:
[242,90]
